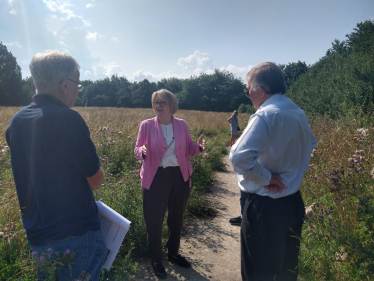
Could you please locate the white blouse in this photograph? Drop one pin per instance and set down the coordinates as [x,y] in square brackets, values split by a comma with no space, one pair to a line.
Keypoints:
[170,158]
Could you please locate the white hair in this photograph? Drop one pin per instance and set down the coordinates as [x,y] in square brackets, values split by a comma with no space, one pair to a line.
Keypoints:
[49,68]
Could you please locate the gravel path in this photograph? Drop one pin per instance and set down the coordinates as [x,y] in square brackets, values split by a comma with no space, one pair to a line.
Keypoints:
[211,244]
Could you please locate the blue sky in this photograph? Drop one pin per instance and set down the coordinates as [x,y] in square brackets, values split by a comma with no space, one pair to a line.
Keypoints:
[157,39]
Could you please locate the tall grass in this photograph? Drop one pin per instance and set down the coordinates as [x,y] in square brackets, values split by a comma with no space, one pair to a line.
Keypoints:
[114,132]
[338,234]
[338,237]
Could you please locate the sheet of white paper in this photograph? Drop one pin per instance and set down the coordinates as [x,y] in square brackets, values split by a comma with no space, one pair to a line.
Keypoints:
[114,228]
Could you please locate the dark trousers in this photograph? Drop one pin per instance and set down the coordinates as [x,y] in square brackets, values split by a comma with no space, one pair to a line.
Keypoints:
[170,192]
[270,237]
[242,201]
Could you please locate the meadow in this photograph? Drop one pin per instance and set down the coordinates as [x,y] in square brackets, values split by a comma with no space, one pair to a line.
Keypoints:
[114,132]
[338,234]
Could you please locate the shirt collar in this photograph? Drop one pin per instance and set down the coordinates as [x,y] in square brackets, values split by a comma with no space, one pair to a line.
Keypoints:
[272,99]
[46,99]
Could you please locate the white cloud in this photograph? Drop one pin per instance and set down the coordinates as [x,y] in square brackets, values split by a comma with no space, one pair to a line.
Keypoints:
[86,22]
[240,72]
[15,44]
[89,6]
[140,75]
[201,62]
[63,7]
[93,36]
[198,62]
[10,1]
[88,73]
[58,5]
[97,56]
[63,44]
[114,39]
[13,12]
[112,68]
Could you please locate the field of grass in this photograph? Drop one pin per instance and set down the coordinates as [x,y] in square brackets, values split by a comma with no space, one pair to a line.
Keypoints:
[338,234]
[114,132]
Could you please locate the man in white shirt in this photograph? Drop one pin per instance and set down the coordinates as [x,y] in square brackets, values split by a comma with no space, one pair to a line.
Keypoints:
[270,159]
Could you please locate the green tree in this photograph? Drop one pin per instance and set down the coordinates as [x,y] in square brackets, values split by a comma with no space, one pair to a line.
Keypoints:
[293,71]
[10,79]
[28,89]
[343,80]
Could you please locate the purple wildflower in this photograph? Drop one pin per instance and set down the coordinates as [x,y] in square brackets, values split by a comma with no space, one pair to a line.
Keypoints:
[355,160]
[49,250]
[42,258]
[67,251]
[34,253]
[320,216]
[357,151]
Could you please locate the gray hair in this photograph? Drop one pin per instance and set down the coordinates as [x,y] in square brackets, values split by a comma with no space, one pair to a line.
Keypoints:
[168,97]
[268,76]
[49,68]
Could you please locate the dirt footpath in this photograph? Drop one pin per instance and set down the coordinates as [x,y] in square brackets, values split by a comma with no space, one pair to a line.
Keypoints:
[211,244]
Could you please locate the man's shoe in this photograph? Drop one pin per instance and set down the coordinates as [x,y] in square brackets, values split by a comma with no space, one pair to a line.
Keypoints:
[180,260]
[236,221]
[159,270]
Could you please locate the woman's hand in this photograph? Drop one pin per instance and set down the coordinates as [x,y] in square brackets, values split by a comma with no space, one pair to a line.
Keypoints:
[201,142]
[144,150]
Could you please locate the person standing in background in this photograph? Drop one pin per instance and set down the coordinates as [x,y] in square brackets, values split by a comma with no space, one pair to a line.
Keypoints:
[234,126]
[56,169]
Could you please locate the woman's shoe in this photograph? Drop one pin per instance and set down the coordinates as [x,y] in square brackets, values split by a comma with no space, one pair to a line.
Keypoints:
[180,260]
[159,270]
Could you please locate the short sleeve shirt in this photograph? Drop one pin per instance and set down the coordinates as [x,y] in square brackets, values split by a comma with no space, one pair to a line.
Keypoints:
[52,154]
[234,121]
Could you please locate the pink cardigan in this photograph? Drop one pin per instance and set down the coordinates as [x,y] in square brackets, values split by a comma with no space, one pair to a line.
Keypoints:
[150,133]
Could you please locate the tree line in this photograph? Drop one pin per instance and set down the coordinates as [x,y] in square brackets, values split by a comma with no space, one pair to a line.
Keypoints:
[341,81]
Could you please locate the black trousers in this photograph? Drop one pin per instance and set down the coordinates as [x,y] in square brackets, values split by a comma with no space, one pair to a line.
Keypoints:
[170,192]
[270,237]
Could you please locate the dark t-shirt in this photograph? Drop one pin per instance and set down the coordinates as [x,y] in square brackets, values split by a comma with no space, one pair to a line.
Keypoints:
[52,154]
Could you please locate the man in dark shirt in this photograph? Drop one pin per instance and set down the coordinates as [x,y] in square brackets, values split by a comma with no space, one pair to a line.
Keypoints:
[56,168]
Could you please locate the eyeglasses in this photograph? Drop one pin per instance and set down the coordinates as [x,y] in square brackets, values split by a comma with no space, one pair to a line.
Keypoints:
[246,91]
[80,86]
[159,103]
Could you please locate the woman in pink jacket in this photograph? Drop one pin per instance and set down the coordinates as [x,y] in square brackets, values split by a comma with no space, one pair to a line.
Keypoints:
[165,145]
